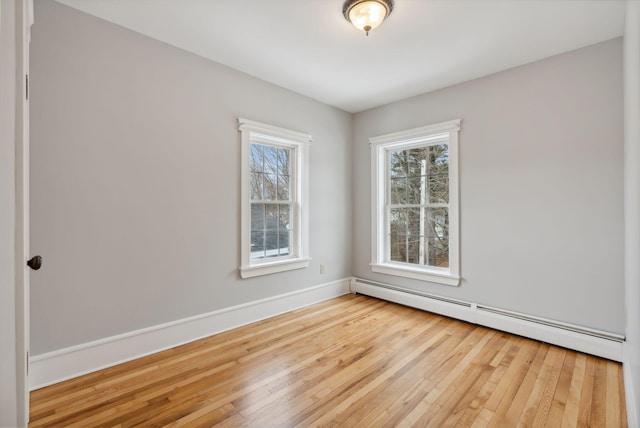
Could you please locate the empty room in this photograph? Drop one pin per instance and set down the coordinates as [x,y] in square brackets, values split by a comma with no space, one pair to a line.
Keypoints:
[275,213]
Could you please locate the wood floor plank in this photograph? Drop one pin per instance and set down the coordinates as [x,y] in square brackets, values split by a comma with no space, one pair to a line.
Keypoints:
[622,413]
[562,389]
[613,396]
[531,367]
[551,374]
[586,395]
[505,393]
[496,368]
[570,417]
[599,403]
[351,361]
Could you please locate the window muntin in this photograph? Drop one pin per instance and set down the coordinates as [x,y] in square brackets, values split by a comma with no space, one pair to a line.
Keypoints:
[415,198]
[274,215]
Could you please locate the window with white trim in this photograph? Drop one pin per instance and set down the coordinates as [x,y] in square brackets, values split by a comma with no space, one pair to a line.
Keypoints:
[415,220]
[274,207]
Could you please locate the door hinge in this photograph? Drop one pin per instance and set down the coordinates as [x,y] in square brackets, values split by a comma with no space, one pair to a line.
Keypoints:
[27,363]
[26,86]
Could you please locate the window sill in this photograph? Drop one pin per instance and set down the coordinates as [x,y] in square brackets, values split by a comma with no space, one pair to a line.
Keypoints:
[273,267]
[430,275]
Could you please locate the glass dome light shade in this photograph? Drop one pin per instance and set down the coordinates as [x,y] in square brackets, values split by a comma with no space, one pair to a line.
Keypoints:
[367,15]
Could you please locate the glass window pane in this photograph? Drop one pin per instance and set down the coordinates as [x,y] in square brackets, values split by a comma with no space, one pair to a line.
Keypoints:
[257,245]
[416,190]
[398,190]
[270,159]
[416,161]
[269,190]
[438,173]
[398,248]
[285,217]
[439,154]
[255,157]
[271,243]
[438,236]
[256,186]
[415,227]
[439,257]
[271,217]
[257,217]
[283,187]
[398,221]
[283,161]
[438,189]
[283,242]
[398,164]
[415,250]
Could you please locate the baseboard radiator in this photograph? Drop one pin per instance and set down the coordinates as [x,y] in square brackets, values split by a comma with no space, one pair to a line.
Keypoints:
[591,341]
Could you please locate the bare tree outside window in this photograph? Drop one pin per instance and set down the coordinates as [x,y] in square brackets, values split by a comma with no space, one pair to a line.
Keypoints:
[418,210]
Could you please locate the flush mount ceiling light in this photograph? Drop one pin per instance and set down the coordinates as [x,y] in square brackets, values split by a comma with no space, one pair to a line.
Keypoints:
[366,15]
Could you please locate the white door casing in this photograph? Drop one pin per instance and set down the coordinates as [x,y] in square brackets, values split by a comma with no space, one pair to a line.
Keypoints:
[24,20]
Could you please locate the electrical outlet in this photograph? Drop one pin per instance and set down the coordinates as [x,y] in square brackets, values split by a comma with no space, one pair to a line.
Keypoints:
[323,269]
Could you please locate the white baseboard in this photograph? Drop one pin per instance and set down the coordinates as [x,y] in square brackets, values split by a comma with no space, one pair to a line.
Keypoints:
[598,343]
[633,418]
[447,307]
[605,348]
[53,367]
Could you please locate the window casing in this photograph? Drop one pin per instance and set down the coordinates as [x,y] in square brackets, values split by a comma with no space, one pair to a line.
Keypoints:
[415,218]
[274,207]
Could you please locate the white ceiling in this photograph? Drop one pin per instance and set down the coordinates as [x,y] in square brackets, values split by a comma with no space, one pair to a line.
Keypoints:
[308,47]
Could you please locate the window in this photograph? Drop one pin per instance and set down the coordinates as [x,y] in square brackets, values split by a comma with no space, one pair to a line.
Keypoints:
[415,203]
[274,216]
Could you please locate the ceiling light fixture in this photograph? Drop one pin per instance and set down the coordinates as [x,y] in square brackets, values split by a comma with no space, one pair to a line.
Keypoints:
[366,15]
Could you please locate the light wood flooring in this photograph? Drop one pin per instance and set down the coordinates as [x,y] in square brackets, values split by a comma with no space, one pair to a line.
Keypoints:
[352,361]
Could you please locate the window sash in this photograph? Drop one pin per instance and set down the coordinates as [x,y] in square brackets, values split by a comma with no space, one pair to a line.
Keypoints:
[273,227]
[426,241]
[292,202]
[421,238]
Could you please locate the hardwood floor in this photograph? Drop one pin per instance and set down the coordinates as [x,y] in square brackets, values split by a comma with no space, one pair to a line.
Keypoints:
[353,361]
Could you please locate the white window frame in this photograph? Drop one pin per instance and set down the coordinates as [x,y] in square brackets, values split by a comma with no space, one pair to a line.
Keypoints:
[380,147]
[299,144]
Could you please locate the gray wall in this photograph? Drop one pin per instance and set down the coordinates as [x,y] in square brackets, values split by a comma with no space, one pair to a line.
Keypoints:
[135,181]
[541,164]
[632,208]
